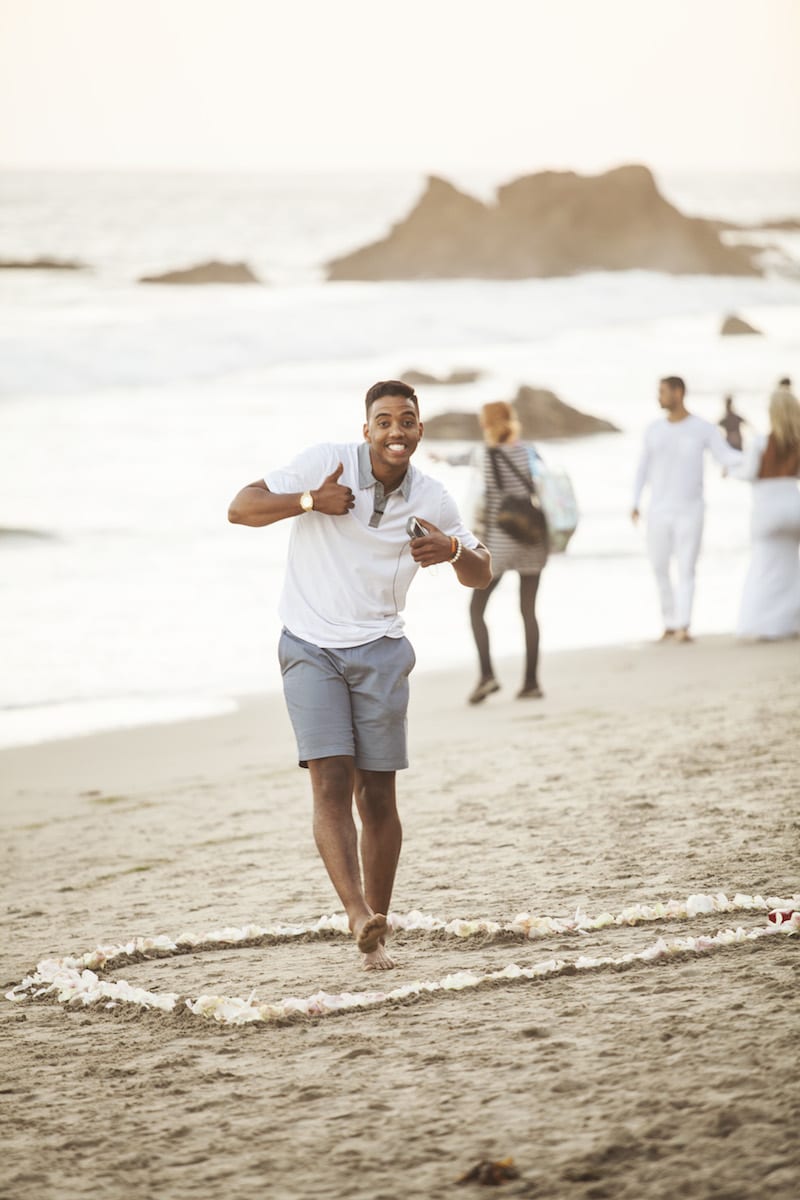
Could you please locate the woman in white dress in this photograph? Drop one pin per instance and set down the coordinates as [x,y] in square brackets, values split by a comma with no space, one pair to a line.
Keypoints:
[771,600]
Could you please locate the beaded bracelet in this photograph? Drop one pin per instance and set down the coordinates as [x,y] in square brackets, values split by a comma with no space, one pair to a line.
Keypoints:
[456,548]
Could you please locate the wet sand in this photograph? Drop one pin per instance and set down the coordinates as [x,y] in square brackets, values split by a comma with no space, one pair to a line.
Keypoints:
[646,773]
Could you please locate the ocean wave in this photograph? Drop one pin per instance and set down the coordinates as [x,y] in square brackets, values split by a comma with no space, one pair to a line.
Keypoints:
[136,337]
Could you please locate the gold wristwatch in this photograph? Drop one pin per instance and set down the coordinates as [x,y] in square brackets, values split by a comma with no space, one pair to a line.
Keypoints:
[307,502]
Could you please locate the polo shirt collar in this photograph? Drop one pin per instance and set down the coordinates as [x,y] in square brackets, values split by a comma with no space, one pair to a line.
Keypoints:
[366,479]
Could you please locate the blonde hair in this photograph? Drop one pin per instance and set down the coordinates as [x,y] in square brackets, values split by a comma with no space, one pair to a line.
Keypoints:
[784,419]
[499,423]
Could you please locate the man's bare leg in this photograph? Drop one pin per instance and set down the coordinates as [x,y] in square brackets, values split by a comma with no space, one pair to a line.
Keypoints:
[381,839]
[335,834]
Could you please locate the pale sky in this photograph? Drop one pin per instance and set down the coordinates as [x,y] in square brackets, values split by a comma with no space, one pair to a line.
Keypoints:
[417,84]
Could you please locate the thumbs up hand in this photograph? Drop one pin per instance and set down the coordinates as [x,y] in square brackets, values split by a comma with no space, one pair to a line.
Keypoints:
[332,497]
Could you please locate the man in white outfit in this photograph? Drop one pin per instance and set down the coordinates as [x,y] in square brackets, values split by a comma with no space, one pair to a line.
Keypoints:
[672,462]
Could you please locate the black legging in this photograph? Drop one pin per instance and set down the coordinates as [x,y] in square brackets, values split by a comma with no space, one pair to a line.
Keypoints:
[528,587]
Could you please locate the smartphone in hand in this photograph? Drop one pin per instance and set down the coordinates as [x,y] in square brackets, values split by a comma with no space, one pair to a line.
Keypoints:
[414,529]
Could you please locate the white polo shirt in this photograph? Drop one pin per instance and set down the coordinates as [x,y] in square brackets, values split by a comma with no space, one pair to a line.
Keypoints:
[347,577]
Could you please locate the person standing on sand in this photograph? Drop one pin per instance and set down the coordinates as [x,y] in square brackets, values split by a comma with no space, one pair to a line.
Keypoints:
[672,463]
[504,466]
[770,607]
[343,656]
[731,425]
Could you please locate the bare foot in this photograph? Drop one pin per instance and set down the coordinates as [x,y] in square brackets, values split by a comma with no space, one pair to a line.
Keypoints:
[683,635]
[371,933]
[370,937]
[378,960]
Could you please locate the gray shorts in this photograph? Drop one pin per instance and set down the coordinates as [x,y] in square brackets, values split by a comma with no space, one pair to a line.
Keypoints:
[350,701]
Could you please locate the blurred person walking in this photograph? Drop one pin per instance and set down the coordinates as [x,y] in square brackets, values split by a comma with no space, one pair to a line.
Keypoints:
[731,425]
[770,607]
[672,463]
[517,541]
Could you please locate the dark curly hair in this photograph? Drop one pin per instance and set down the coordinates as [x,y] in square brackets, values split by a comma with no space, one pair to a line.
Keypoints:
[390,387]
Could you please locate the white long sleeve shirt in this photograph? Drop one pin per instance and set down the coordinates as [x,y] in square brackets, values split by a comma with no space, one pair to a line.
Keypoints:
[672,462]
[750,463]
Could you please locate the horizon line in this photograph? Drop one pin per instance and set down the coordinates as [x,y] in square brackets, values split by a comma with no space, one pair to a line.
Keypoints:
[425,171]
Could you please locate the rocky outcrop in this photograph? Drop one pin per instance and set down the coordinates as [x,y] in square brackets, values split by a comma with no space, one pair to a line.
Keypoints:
[734,326]
[453,427]
[422,379]
[787,224]
[32,534]
[432,242]
[208,272]
[778,224]
[551,223]
[542,416]
[40,264]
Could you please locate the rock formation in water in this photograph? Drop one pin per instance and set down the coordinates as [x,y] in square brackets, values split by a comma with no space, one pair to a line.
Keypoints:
[31,534]
[778,224]
[734,326]
[785,224]
[542,416]
[40,264]
[208,272]
[422,378]
[551,223]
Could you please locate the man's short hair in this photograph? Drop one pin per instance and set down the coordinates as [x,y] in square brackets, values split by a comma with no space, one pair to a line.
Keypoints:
[785,382]
[675,383]
[390,387]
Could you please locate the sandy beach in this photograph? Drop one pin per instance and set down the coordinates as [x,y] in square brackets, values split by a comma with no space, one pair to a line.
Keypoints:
[648,773]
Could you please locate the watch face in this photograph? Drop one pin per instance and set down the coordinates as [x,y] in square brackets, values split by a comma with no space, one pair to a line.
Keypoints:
[307,501]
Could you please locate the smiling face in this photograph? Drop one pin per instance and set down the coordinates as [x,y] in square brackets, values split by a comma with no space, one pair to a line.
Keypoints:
[393,430]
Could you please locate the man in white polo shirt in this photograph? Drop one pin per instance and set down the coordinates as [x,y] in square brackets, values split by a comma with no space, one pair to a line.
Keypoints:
[344,659]
[673,463]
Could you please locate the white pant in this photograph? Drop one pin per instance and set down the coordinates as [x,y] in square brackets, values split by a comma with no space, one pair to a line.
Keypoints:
[676,534]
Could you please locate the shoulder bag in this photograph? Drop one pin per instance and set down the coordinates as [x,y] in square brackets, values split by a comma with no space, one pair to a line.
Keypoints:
[521,517]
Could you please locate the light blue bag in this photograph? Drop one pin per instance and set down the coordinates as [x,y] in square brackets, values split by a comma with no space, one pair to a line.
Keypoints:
[558,500]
